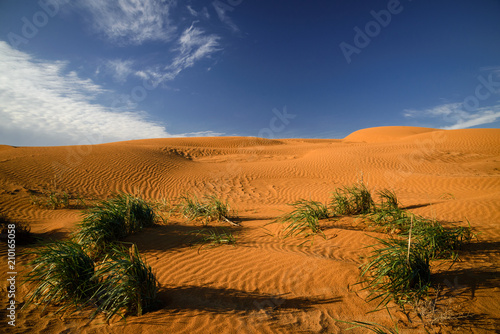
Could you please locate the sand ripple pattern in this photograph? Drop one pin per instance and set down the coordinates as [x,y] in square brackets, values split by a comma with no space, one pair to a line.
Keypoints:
[265,284]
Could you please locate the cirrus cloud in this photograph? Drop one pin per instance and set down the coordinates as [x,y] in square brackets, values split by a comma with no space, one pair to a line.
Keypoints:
[131,21]
[455,114]
[44,104]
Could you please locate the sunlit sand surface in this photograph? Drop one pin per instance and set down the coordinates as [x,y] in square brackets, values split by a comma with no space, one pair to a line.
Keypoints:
[265,284]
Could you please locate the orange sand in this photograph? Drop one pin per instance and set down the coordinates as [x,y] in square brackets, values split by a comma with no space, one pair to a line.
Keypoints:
[265,284]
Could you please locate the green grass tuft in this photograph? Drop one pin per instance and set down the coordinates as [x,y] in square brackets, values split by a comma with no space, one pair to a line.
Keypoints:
[352,200]
[209,208]
[128,284]
[304,219]
[112,220]
[438,241]
[395,272]
[63,273]
[388,200]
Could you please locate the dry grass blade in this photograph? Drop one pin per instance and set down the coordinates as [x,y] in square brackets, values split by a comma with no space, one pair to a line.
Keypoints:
[371,326]
[210,208]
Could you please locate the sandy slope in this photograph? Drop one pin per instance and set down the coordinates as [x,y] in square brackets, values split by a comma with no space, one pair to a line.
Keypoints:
[264,284]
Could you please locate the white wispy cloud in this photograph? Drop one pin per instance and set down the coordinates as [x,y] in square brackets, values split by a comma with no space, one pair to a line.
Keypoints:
[202,134]
[120,69]
[131,21]
[455,114]
[469,113]
[202,13]
[222,14]
[43,104]
[192,46]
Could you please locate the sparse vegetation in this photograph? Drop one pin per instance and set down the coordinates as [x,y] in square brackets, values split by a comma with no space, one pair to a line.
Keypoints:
[112,220]
[438,241]
[128,284]
[388,200]
[352,200]
[63,274]
[304,219]
[121,283]
[57,199]
[433,312]
[398,268]
[397,271]
[213,237]
[209,208]
[164,209]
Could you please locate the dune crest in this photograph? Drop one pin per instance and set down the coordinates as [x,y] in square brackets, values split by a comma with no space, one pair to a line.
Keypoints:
[385,133]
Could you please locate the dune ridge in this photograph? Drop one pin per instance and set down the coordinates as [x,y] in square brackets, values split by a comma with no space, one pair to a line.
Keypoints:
[265,284]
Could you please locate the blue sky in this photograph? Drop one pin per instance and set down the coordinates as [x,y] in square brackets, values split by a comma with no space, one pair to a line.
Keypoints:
[93,71]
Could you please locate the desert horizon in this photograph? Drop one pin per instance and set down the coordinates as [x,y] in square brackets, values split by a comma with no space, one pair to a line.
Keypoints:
[264,283]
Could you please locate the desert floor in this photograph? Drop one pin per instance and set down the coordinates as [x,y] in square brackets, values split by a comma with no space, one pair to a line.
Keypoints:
[266,284]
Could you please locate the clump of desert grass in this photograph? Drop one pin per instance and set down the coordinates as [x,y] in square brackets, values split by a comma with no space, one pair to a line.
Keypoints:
[20,230]
[397,271]
[58,199]
[93,269]
[164,209]
[304,219]
[207,209]
[213,237]
[440,242]
[62,274]
[354,200]
[398,268]
[127,284]
[113,220]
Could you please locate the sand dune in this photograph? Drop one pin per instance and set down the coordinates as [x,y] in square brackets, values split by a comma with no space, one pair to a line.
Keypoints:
[265,284]
[386,133]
